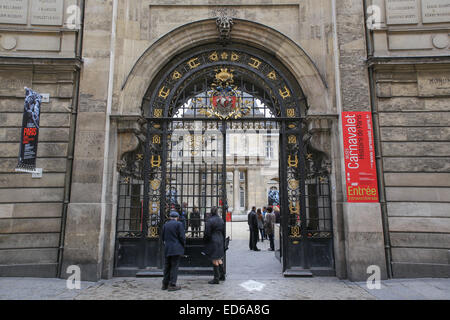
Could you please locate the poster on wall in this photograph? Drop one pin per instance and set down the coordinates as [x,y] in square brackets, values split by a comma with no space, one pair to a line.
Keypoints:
[29,132]
[359,156]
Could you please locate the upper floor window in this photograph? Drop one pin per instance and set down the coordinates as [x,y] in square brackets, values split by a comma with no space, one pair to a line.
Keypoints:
[269,149]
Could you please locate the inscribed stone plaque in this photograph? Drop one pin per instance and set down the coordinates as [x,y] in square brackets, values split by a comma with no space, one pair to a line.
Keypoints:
[13,11]
[47,12]
[12,83]
[402,12]
[435,11]
[434,83]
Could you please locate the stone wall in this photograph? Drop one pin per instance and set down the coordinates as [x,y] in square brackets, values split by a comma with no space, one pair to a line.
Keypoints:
[143,24]
[31,209]
[414,120]
[362,224]
[410,48]
[90,208]
[40,52]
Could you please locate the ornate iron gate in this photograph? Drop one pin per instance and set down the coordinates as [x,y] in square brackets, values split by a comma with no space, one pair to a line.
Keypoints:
[189,108]
[195,182]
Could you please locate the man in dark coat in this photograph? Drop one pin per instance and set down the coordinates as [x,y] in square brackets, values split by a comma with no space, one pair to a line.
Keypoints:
[269,225]
[214,244]
[253,226]
[173,236]
[194,221]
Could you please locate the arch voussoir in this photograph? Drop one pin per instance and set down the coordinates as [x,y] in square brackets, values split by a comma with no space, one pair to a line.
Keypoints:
[201,32]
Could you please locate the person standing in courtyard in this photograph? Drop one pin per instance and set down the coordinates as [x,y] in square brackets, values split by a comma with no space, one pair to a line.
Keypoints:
[194,221]
[182,211]
[253,226]
[260,220]
[173,236]
[264,211]
[276,211]
[269,224]
[214,245]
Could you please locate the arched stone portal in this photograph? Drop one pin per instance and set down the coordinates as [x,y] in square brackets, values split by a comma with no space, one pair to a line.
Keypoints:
[287,77]
[293,57]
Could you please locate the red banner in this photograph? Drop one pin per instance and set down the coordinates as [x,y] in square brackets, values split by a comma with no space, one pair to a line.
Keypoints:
[359,155]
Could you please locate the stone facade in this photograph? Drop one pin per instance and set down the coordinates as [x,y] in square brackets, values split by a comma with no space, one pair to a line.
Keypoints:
[98,75]
[41,52]
[409,59]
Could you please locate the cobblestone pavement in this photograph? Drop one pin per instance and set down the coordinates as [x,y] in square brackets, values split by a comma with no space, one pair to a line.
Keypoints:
[251,276]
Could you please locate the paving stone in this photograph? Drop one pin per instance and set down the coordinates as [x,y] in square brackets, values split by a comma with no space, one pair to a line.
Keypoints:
[243,267]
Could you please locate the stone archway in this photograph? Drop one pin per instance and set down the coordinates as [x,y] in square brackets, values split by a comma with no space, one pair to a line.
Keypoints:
[201,32]
[167,91]
[128,101]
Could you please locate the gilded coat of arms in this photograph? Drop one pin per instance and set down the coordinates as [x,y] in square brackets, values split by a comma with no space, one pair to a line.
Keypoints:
[225,102]
[155,184]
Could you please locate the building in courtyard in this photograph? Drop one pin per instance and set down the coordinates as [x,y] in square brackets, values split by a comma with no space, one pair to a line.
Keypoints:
[355,98]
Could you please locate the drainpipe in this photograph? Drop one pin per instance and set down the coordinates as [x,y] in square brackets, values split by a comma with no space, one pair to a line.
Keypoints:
[71,146]
[377,146]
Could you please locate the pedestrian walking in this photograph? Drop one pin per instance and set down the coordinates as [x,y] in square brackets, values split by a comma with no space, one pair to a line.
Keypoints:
[260,220]
[214,245]
[174,240]
[253,226]
[269,225]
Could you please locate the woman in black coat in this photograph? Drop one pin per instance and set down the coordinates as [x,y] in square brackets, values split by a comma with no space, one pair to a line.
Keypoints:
[214,244]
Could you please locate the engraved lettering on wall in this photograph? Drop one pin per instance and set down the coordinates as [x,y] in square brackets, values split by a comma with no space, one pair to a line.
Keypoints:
[402,12]
[47,12]
[13,11]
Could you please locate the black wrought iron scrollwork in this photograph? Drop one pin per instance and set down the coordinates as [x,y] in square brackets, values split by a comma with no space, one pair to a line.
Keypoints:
[197,73]
[154,179]
[294,183]
[130,195]
[317,189]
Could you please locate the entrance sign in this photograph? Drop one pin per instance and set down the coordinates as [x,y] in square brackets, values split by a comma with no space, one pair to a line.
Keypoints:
[359,155]
[30,131]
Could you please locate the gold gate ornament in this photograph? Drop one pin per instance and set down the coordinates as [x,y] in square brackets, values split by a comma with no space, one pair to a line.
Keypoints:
[154,207]
[293,163]
[156,139]
[155,184]
[156,162]
[294,209]
[292,139]
[293,184]
[153,232]
[295,231]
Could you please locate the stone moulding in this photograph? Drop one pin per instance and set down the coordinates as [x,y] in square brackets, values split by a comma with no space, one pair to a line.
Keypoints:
[319,135]
[129,98]
[130,133]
